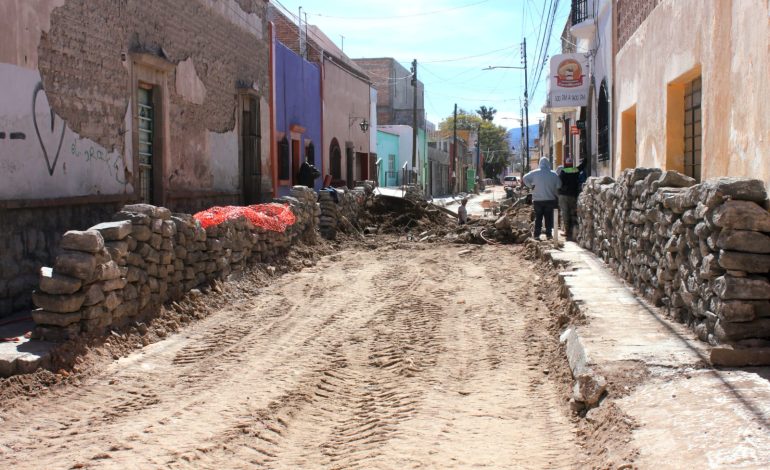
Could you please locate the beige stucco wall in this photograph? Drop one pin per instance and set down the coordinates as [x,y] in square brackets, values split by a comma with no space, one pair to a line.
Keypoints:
[728,42]
[344,95]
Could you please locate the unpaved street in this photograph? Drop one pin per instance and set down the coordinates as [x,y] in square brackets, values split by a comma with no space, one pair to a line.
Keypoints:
[395,357]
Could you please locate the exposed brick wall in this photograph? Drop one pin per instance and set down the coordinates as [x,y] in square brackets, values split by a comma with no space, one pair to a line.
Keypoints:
[287,32]
[381,72]
[631,14]
[394,92]
[85,77]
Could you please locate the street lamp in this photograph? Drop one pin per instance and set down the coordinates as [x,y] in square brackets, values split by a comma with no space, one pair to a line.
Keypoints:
[526,97]
[364,124]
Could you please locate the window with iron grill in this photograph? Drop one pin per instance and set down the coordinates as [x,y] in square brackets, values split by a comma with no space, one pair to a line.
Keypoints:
[692,129]
[579,11]
[146,130]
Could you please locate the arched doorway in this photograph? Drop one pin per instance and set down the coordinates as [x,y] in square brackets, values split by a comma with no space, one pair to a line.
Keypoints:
[603,123]
[335,160]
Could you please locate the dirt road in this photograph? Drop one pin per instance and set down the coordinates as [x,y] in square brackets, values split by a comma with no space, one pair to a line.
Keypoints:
[395,357]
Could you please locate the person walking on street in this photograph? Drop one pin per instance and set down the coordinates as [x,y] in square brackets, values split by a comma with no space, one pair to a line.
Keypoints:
[544,183]
[462,212]
[307,174]
[568,193]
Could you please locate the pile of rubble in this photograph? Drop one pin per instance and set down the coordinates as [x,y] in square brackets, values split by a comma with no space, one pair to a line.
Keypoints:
[702,251]
[513,226]
[411,214]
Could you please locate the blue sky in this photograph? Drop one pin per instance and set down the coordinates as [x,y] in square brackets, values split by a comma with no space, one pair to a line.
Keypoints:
[452,41]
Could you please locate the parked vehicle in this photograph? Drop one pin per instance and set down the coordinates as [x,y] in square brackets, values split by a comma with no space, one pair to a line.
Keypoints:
[510,181]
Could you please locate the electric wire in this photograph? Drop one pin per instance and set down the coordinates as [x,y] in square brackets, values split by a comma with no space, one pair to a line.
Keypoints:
[398,17]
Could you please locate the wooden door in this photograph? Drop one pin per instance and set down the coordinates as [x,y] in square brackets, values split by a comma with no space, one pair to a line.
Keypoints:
[295,161]
[251,150]
[349,166]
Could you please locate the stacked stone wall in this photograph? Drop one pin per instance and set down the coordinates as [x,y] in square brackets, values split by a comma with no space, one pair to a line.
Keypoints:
[29,238]
[120,270]
[700,251]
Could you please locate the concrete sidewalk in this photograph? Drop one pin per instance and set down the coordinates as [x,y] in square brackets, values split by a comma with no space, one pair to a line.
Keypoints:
[19,355]
[689,414]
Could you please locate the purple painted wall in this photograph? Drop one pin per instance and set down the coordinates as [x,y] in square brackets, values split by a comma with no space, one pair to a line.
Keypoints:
[298,102]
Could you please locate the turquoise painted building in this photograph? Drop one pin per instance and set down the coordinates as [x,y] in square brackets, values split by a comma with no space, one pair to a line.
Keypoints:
[388,153]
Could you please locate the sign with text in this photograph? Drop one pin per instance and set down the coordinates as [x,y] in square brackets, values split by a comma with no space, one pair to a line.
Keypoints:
[574,130]
[568,82]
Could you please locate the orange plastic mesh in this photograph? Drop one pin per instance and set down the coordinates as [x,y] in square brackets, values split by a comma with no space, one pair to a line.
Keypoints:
[274,217]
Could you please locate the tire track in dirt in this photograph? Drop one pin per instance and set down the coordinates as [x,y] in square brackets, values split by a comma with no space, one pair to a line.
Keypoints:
[390,358]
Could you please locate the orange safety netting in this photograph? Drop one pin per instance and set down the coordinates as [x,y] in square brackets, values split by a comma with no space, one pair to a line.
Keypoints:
[274,217]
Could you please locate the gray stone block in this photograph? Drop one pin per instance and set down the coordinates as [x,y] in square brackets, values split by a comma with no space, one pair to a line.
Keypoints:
[89,241]
[55,283]
[744,240]
[43,317]
[747,262]
[742,215]
[58,303]
[113,231]
[742,288]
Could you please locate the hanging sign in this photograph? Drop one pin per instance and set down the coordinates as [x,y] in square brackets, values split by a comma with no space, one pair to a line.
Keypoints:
[574,130]
[568,82]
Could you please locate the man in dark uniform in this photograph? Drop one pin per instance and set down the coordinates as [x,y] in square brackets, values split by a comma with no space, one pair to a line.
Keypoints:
[307,174]
[568,193]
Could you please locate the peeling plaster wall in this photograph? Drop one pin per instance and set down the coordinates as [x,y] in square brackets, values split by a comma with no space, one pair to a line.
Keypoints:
[730,42]
[79,50]
[66,148]
[21,24]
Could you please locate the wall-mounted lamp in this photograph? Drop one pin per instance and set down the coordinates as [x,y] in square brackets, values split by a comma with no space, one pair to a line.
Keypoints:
[559,122]
[364,124]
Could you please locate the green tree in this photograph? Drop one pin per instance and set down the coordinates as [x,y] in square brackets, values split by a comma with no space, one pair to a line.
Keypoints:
[465,121]
[487,114]
[494,147]
[491,141]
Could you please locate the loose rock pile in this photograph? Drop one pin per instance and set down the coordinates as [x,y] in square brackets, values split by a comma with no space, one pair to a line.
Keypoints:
[119,270]
[702,251]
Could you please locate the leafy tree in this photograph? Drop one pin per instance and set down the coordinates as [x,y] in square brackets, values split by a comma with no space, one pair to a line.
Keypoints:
[487,114]
[494,147]
[492,139]
[465,121]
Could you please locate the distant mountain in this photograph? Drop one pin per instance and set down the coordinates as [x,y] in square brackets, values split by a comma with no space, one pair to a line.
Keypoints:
[514,136]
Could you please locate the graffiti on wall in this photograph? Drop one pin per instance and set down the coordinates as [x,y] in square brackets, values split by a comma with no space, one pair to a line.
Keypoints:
[42,157]
[55,157]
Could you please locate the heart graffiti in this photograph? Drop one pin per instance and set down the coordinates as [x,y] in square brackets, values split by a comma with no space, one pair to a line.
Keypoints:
[50,165]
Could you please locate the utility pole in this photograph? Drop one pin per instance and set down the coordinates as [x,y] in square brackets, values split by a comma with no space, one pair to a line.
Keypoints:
[454,150]
[526,105]
[478,152]
[521,144]
[414,115]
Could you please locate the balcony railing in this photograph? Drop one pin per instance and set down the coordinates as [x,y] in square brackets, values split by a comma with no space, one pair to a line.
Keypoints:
[579,11]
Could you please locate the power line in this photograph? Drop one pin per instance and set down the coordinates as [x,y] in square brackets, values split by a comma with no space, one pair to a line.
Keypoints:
[396,17]
[457,59]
